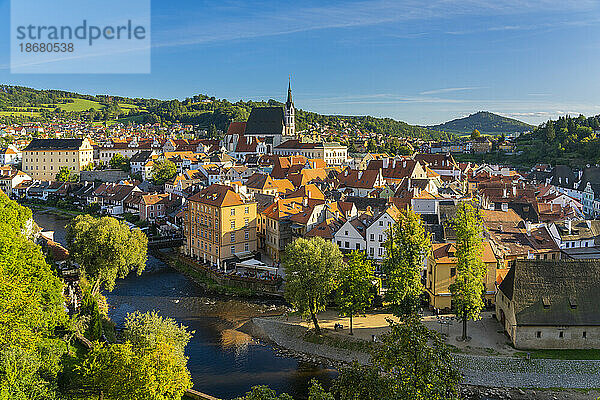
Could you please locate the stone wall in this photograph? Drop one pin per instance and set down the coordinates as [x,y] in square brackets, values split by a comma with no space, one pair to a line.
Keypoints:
[557,337]
[104,175]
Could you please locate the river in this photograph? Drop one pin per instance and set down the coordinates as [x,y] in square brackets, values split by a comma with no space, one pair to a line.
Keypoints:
[223,361]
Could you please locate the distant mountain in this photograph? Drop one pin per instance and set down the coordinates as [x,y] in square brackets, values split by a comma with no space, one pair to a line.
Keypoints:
[484,122]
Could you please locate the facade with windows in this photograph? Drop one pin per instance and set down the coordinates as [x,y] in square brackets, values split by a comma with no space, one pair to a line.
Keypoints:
[220,226]
[43,158]
[441,273]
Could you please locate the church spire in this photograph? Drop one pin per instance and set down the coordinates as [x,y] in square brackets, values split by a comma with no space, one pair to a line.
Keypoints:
[289,98]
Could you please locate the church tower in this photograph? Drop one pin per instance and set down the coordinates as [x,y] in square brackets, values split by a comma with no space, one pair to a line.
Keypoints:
[289,113]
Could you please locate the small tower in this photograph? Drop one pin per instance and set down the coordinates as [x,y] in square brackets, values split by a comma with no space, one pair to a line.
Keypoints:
[289,117]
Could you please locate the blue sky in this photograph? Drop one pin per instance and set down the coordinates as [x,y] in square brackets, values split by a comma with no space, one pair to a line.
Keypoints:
[417,61]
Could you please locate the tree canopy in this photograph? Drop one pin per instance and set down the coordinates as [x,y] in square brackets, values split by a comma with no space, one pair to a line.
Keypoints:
[119,161]
[469,285]
[106,249]
[407,244]
[64,175]
[311,267]
[163,170]
[355,285]
[32,308]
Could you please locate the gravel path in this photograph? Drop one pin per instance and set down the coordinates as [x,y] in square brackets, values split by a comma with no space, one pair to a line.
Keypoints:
[488,371]
[290,337]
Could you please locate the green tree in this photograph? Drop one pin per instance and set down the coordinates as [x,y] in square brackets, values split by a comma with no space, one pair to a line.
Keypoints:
[475,134]
[549,131]
[163,170]
[315,392]
[311,266]
[64,174]
[358,382]
[89,308]
[149,329]
[469,285]
[106,249]
[371,146]
[264,393]
[118,161]
[123,371]
[407,244]
[418,363]
[31,309]
[355,284]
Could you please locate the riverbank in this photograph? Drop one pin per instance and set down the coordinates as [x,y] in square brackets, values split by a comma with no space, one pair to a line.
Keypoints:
[488,377]
[202,279]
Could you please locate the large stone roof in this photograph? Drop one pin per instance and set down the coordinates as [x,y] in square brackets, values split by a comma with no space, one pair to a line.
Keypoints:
[554,293]
[265,121]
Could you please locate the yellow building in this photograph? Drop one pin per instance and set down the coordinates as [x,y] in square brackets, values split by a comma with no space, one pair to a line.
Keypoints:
[43,158]
[220,225]
[441,273]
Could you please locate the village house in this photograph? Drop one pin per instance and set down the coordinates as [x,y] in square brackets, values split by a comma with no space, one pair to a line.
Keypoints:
[441,273]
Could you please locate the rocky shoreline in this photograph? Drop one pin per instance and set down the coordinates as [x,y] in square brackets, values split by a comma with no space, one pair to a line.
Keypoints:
[288,341]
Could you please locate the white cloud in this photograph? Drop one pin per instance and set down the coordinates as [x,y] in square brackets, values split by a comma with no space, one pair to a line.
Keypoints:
[450,90]
[293,19]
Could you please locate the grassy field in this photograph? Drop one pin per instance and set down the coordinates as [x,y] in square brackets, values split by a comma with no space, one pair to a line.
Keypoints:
[567,354]
[20,113]
[81,105]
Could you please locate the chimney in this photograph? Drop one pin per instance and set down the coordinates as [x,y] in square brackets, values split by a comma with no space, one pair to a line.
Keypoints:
[504,192]
[305,201]
[500,228]
[569,226]
[514,191]
[528,227]
[360,174]
[404,164]
[386,162]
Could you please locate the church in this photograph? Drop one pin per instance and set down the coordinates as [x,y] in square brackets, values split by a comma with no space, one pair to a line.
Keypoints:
[266,126]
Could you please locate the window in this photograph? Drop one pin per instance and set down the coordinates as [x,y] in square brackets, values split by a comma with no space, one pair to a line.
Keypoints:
[372,237]
[233,249]
[538,334]
[357,246]
[380,238]
[246,222]
[346,233]
[339,242]
[347,245]
[232,224]
[584,335]
[380,223]
[246,210]
[232,236]
[246,235]
[246,246]
[452,272]
[372,251]
[561,334]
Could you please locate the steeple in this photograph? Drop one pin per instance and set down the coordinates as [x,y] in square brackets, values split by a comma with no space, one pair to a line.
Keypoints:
[289,98]
[289,112]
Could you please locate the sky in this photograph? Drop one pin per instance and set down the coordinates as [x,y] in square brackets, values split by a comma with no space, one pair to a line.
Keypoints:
[419,61]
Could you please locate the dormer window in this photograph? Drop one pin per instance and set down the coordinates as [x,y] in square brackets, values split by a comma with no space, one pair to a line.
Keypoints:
[573,302]
[546,302]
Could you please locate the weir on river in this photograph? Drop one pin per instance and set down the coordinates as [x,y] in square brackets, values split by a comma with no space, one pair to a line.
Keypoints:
[224,362]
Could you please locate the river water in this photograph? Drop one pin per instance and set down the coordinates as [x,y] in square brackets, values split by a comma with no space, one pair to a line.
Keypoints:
[223,361]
